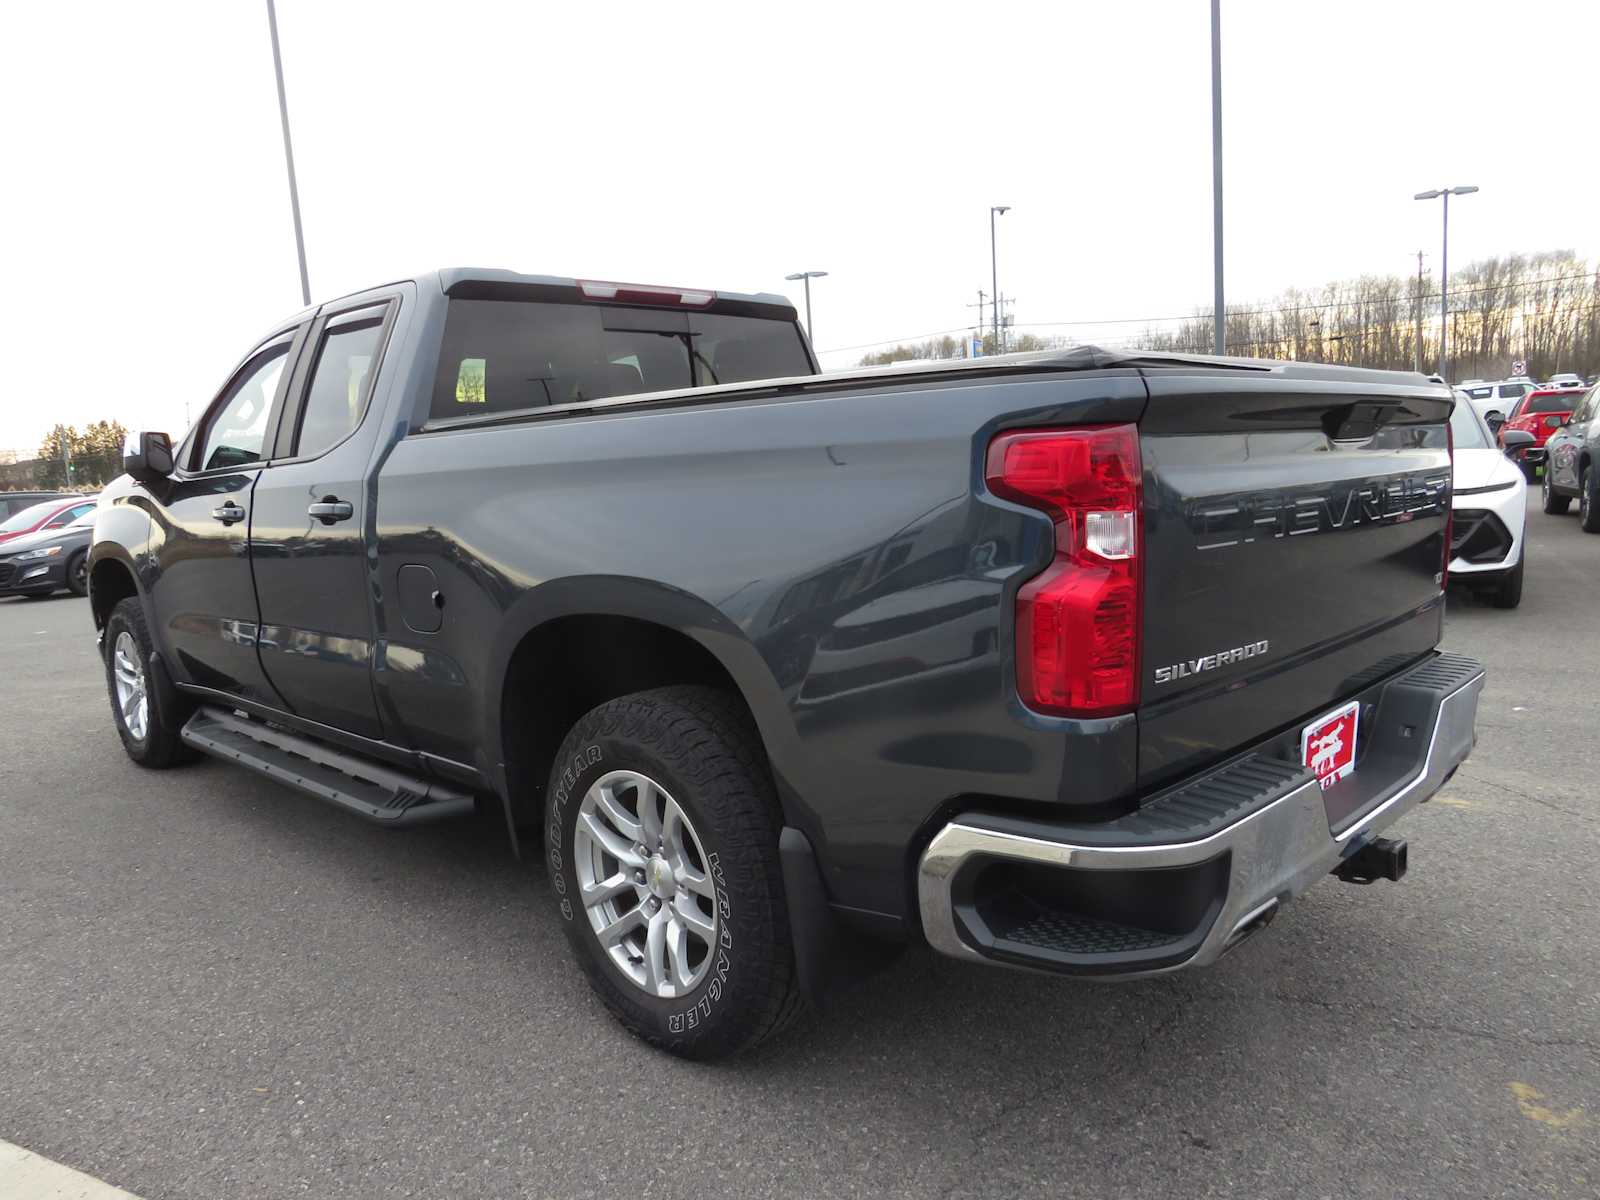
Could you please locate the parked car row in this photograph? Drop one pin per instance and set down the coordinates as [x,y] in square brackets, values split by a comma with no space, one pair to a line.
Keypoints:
[44,547]
[1570,455]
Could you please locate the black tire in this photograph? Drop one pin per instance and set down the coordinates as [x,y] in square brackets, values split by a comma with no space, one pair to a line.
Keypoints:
[1529,471]
[1508,592]
[699,745]
[78,573]
[1554,503]
[166,710]
[1589,500]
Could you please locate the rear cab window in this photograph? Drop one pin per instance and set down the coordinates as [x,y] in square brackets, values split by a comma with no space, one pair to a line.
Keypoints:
[512,355]
[1547,404]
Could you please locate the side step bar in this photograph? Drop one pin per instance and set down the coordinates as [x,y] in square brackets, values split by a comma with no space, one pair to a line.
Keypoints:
[379,793]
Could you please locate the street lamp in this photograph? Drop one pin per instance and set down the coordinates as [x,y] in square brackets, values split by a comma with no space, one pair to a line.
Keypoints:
[994,270]
[1444,271]
[288,156]
[808,276]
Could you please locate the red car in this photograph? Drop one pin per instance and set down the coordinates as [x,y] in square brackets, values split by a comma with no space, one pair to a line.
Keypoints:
[48,514]
[1540,413]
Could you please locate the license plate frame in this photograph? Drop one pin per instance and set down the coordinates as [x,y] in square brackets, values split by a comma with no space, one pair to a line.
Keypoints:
[1339,753]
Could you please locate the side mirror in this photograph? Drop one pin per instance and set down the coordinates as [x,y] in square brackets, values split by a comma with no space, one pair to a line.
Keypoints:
[148,457]
[1513,440]
[1494,418]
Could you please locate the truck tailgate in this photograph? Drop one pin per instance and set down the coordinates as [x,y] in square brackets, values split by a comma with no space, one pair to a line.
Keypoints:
[1294,537]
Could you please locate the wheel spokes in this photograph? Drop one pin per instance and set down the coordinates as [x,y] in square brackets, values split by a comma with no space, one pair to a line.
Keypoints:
[607,889]
[689,914]
[615,812]
[655,958]
[610,841]
[618,929]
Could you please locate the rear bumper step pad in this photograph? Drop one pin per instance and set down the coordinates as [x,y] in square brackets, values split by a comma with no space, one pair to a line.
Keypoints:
[378,793]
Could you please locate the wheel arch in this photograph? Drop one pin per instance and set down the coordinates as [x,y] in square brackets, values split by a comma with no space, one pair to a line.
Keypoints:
[112,579]
[574,643]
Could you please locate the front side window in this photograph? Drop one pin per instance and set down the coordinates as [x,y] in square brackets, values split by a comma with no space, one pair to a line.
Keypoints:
[513,355]
[236,430]
[340,382]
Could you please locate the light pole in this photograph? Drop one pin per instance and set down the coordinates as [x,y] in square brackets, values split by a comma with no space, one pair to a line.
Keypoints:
[288,156]
[808,276]
[994,270]
[1444,271]
[1216,174]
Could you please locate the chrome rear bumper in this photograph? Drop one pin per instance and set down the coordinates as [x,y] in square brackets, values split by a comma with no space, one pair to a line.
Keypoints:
[1273,852]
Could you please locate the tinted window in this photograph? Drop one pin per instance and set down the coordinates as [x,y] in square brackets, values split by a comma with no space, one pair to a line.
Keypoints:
[1547,404]
[506,355]
[1480,393]
[340,382]
[1509,391]
[236,430]
[28,517]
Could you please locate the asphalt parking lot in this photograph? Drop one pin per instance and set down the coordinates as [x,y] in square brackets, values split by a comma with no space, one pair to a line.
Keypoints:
[211,987]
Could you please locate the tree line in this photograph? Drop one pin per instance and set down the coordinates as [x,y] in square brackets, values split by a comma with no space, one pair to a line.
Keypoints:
[1539,309]
[1542,310]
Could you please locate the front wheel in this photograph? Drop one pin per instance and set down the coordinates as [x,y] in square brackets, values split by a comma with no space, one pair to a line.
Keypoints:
[78,574]
[1589,500]
[662,833]
[147,714]
[1554,503]
[1508,592]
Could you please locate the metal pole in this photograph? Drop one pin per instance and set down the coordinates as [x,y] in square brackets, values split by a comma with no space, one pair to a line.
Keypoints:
[1418,308]
[810,334]
[994,269]
[1217,311]
[288,156]
[1444,293]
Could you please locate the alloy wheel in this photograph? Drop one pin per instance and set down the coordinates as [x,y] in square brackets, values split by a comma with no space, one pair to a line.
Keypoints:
[133,699]
[645,883]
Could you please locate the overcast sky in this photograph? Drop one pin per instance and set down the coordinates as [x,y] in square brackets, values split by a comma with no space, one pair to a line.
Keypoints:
[147,235]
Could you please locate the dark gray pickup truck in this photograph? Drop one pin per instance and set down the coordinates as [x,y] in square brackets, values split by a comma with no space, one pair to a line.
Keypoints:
[1084,662]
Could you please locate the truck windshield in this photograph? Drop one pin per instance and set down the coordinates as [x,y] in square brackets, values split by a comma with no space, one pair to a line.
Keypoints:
[512,355]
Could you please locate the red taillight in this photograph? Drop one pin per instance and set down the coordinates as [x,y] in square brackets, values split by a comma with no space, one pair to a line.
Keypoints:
[1078,622]
[644,293]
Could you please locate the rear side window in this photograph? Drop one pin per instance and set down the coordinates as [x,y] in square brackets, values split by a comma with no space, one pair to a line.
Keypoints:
[340,381]
[1547,404]
[28,518]
[72,514]
[1510,391]
[1480,393]
[512,355]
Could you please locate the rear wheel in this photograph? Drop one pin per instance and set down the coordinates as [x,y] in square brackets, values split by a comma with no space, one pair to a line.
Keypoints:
[1588,500]
[1554,503]
[662,839]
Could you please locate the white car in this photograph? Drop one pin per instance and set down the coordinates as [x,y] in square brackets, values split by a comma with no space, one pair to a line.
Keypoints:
[1496,395]
[1566,380]
[1489,508]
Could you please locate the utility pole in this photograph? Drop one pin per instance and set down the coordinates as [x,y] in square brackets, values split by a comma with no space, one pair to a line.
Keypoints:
[994,268]
[1444,270]
[1218,313]
[808,276]
[1419,312]
[982,295]
[288,157]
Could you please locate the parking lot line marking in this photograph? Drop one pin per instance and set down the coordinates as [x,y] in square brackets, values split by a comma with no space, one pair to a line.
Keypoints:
[1528,1098]
[25,1175]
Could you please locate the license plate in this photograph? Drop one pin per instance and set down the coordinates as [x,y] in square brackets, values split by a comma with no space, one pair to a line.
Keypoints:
[1328,745]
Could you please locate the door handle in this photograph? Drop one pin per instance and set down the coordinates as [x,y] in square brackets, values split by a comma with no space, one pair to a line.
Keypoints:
[330,509]
[229,514]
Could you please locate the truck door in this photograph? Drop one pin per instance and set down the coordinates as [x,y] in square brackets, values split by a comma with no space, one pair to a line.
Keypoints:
[203,590]
[311,511]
